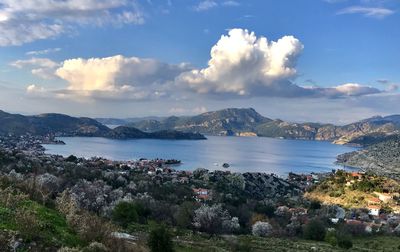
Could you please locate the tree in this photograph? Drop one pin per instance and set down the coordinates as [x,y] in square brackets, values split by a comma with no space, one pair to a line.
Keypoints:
[314,230]
[183,217]
[345,242]
[214,219]
[262,229]
[160,239]
[125,213]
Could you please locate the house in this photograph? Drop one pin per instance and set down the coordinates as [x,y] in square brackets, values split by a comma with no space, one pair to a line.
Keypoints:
[374,210]
[374,201]
[384,197]
[356,175]
[202,194]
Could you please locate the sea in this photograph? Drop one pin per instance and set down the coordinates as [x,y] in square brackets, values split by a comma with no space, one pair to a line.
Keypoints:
[242,154]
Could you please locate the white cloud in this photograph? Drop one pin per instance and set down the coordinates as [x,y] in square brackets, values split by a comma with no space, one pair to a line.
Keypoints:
[117,77]
[375,12]
[205,5]
[352,89]
[41,67]
[43,52]
[243,64]
[231,3]
[210,4]
[107,74]
[25,21]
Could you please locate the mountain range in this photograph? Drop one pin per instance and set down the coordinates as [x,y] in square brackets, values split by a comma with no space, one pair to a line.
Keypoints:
[64,125]
[247,122]
[227,122]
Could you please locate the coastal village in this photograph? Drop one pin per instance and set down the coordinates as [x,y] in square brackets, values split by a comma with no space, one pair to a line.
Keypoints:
[294,201]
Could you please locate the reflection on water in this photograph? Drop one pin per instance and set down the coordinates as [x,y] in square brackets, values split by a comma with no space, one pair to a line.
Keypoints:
[255,154]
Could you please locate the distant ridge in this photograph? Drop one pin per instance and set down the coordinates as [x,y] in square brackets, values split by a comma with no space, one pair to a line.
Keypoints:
[64,125]
[222,122]
[246,121]
[227,122]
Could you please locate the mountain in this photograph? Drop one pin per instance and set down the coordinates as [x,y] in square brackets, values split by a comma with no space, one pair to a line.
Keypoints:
[382,158]
[222,122]
[124,121]
[124,132]
[370,130]
[63,125]
[56,124]
[247,121]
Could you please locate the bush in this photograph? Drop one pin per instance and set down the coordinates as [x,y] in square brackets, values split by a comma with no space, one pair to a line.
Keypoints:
[330,237]
[314,230]
[314,205]
[160,239]
[27,223]
[125,213]
[95,247]
[345,243]
[213,219]
[262,229]
[266,209]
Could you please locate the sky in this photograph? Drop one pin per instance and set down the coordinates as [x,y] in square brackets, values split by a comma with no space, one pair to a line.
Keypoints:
[334,61]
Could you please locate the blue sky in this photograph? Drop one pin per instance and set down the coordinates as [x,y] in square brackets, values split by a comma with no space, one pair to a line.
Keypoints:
[333,55]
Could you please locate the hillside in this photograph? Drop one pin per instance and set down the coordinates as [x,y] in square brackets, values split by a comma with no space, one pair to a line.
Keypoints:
[222,122]
[381,158]
[63,125]
[233,121]
[43,124]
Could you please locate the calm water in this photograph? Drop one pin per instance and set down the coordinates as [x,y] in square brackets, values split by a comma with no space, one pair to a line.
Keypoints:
[255,154]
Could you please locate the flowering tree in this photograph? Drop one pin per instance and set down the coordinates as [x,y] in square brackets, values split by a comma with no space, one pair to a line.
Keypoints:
[261,228]
[214,219]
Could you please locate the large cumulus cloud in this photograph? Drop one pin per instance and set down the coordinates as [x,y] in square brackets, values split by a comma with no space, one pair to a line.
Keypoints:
[114,78]
[243,65]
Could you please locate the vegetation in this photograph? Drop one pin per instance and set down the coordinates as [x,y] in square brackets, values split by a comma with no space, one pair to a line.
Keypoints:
[160,239]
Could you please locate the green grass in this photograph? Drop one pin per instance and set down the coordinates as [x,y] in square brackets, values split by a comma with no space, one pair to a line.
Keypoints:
[199,243]
[52,229]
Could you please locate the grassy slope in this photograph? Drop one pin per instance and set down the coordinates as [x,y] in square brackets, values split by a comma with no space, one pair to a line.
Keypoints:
[249,243]
[53,229]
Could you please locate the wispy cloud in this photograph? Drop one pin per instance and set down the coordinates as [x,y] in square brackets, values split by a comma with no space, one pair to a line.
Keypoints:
[26,21]
[374,12]
[205,5]
[43,52]
[210,4]
[41,67]
[231,3]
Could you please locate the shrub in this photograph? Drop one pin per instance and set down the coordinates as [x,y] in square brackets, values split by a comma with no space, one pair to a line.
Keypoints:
[314,205]
[345,243]
[183,217]
[125,213]
[314,230]
[330,237]
[95,247]
[267,209]
[213,219]
[160,239]
[27,223]
[262,229]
